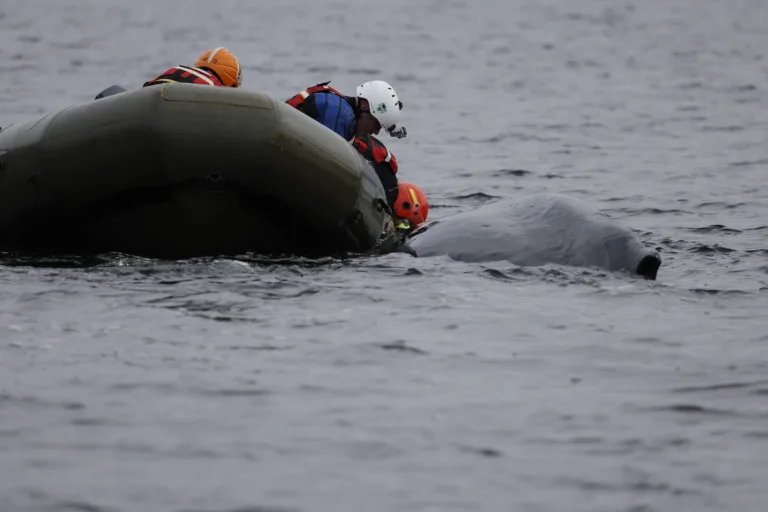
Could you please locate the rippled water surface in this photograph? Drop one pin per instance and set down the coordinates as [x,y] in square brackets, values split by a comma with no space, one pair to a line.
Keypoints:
[395,383]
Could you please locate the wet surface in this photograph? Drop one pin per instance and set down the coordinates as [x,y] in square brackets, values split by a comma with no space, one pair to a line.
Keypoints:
[395,383]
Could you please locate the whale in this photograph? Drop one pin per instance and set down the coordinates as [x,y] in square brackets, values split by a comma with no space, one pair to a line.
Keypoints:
[536,230]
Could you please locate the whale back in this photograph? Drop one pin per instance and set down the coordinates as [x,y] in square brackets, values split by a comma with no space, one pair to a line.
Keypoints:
[536,230]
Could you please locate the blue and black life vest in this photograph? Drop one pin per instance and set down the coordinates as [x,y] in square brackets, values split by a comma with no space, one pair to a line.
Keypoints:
[329,107]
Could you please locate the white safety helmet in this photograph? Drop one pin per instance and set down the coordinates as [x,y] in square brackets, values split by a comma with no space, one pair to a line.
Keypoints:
[384,104]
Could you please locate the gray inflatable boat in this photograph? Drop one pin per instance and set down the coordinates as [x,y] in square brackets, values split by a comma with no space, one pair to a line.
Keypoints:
[182,170]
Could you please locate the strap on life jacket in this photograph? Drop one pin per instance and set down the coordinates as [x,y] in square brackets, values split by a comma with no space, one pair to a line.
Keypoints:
[303,95]
[186,74]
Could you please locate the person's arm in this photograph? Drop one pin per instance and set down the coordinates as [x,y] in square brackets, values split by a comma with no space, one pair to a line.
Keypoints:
[389,180]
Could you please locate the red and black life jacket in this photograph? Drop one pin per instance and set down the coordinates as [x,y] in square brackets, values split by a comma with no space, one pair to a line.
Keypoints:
[375,152]
[384,163]
[187,75]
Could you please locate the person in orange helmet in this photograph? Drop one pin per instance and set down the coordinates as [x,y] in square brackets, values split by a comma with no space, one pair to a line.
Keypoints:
[411,207]
[217,67]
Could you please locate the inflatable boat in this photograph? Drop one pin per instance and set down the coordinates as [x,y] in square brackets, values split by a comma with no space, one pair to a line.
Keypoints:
[181,170]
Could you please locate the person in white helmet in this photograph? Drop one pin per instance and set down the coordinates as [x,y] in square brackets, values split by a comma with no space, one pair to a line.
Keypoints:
[357,119]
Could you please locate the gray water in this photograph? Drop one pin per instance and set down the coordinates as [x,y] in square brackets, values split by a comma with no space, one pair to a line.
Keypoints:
[402,384]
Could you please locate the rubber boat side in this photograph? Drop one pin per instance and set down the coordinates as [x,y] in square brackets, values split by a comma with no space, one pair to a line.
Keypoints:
[183,170]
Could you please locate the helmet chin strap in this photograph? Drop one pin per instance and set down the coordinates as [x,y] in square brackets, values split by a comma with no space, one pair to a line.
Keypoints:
[398,133]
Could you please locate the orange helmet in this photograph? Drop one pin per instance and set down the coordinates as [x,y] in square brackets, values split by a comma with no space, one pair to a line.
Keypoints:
[223,63]
[411,203]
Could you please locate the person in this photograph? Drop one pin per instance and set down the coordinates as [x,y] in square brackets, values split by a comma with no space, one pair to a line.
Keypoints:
[411,206]
[217,67]
[357,119]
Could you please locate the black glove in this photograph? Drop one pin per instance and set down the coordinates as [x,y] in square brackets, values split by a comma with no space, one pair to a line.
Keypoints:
[398,133]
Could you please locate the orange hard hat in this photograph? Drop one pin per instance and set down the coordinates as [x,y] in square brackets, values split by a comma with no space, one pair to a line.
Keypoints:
[411,203]
[224,64]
